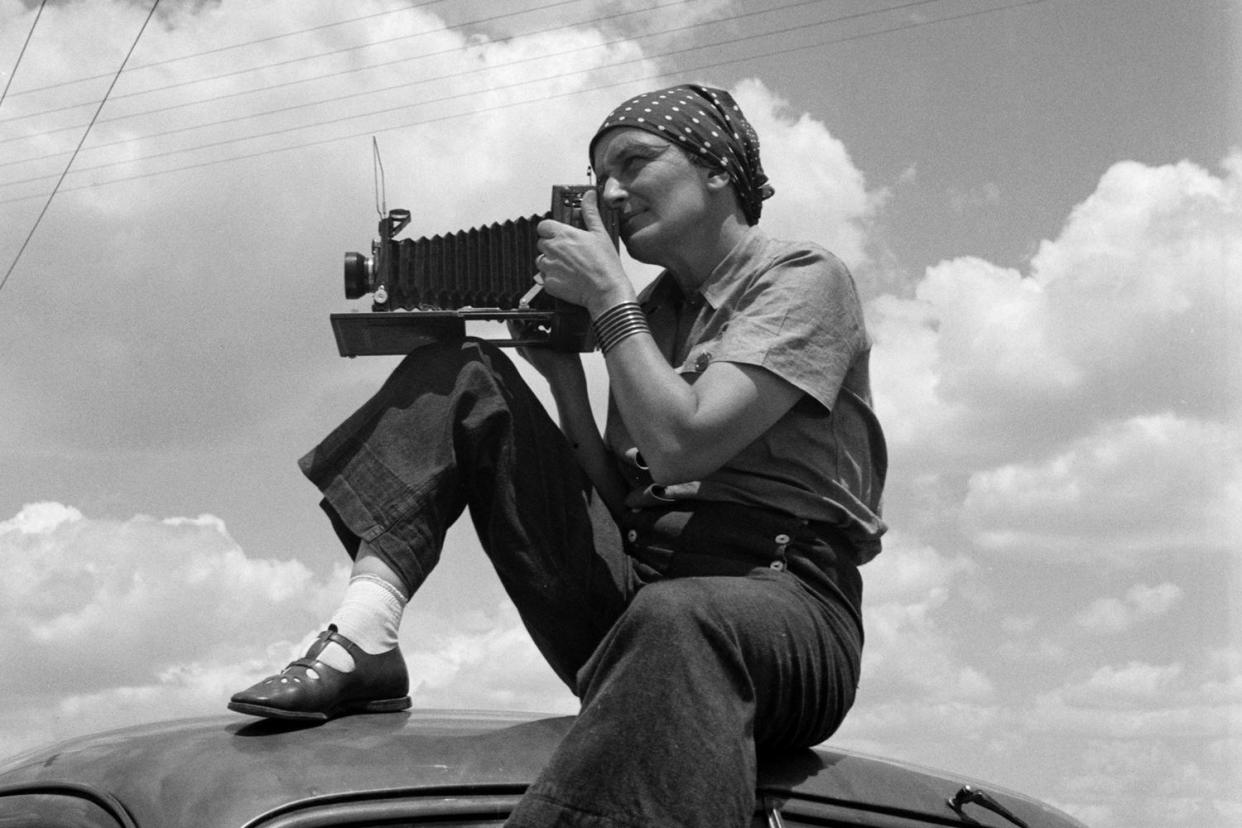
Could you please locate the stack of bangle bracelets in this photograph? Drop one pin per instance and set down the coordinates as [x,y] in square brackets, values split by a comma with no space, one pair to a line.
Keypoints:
[617,323]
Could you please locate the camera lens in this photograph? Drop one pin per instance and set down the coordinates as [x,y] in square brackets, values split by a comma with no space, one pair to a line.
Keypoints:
[357,275]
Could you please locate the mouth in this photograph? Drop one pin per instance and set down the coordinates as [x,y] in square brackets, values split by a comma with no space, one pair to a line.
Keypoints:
[630,222]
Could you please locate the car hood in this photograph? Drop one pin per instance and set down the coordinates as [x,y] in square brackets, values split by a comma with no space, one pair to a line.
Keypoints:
[227,770]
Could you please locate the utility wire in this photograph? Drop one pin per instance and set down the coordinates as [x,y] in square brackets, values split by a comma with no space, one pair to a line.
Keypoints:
[86,132]
[22,53]
[453,75]
[426,80]
[650,76]
[231,46]
[353,70]
[330,53]
[372,130]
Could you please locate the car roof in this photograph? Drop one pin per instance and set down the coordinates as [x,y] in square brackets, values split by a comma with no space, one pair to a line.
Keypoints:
[228,770]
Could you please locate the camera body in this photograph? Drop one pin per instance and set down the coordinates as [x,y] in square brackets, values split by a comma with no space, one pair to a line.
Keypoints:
[428,288]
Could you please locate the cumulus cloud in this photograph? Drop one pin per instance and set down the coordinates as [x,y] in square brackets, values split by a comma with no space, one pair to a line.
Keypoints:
[908,649]
[116,611]
[1085,409]
[1154,738]
[1141,602]
[1152,484]
[1131,311]
[820,193]
[1175,700]
[1134,681]
[487,661]
[1094,399]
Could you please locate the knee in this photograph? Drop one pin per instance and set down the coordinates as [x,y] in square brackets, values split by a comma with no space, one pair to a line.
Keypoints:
[670,644]
[680,618]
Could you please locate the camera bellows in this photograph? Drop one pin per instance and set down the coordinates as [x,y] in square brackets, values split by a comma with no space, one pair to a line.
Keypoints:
[483,267]
[480,273]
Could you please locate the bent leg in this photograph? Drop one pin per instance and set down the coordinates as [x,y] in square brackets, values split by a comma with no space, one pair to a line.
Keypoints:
[456,426]
[696,676]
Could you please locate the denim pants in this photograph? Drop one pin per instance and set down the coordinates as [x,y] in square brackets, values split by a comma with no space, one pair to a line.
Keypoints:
[683,677]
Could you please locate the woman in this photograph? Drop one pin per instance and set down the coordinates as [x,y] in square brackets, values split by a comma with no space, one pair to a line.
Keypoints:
[741,461]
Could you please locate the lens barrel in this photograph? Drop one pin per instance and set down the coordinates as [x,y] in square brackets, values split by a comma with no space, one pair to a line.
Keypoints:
[357,275]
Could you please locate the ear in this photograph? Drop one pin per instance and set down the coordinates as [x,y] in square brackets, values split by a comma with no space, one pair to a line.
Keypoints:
[718,180]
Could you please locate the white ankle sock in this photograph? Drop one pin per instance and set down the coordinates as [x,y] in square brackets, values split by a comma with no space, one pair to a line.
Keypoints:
[370,616]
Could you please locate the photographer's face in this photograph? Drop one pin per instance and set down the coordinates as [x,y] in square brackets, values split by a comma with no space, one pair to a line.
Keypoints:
[661,196]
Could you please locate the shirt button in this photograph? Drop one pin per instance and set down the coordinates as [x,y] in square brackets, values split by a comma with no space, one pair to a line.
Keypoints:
[779,566]
[782,538]
[632,535]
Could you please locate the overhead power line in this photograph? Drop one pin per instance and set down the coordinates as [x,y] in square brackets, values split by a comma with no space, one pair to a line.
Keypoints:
[59,181]
[252,116]
[423,81]
[22,52]
[330,53]
[219,49]
[681,70]
[346,50]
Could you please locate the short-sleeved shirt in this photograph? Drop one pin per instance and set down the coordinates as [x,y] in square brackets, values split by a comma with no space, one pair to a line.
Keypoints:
[792,309]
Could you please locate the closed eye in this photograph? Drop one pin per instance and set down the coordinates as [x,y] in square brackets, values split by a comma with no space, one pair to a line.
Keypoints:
[640,155]
[629,158]
[634,157]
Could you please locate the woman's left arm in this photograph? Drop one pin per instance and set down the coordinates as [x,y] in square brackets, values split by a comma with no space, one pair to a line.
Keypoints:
[687,431]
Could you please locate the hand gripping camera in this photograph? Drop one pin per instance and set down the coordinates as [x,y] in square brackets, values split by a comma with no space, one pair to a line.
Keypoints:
[426,289]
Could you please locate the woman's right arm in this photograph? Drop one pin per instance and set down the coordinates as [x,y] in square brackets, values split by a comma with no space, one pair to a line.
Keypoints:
[567,382]
[578,423]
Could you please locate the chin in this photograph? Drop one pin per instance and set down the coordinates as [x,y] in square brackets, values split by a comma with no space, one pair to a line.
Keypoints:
[638,255]
[642,246]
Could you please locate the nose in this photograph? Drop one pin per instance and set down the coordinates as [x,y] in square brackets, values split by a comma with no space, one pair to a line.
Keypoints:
[613,193]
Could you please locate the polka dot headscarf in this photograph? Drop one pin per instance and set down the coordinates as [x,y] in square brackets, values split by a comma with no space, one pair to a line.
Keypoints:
[704,122]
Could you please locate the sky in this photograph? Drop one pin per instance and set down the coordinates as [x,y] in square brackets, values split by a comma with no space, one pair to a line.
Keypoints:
[1041,203]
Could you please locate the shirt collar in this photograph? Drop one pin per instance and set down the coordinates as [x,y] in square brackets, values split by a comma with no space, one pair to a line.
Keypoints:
[737,264]
[719,285]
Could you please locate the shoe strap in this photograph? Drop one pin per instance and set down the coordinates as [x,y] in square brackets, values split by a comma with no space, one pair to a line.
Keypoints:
[305,663]
[330,635]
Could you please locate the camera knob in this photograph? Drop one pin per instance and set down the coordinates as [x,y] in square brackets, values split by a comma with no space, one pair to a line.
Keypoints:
[381,295]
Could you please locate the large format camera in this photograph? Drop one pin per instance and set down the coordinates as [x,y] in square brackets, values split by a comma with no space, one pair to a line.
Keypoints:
[427,289]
